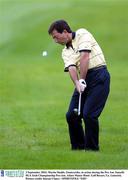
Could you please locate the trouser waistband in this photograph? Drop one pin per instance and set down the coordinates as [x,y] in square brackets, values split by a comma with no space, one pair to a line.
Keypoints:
[97,68]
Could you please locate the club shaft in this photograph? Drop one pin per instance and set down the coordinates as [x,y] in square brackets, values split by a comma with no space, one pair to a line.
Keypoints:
[79,105]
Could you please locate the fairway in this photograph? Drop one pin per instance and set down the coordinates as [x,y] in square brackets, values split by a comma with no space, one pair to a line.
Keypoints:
[35,91]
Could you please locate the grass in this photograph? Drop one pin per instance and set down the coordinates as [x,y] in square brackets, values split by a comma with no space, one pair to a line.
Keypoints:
[35,93]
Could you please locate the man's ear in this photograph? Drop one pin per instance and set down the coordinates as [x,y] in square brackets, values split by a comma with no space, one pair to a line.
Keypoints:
[65,31]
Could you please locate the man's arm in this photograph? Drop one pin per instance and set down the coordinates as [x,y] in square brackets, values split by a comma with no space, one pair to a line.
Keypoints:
[84,61]
[74,77]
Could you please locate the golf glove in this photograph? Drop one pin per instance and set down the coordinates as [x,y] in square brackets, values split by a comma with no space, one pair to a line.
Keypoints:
[83,84]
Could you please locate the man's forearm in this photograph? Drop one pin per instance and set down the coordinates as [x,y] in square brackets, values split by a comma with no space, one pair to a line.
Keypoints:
[73,74]
[84,62]
[74,77]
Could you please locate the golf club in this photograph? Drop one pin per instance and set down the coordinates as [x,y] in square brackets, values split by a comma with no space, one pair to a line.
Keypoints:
[79,106]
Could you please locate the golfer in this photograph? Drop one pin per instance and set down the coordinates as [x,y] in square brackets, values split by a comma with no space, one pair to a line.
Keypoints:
[85,62]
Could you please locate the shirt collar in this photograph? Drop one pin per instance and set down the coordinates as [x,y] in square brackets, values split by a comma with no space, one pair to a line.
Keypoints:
[73,35]
[70,43]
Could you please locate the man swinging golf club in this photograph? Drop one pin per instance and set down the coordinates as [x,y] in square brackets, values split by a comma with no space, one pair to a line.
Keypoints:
[85,62]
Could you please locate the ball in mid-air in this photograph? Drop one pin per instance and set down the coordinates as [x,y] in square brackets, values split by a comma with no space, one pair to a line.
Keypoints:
[44,53]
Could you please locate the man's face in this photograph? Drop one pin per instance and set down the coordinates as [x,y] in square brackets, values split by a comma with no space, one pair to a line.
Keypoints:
[60,38]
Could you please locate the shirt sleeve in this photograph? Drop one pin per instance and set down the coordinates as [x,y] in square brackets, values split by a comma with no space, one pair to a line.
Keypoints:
[67,62]
[84,42]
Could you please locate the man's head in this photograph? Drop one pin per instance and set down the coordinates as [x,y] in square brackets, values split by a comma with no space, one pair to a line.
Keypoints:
[60,32]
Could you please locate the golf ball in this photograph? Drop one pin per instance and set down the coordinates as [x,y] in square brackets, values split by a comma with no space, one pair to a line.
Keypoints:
[44,53]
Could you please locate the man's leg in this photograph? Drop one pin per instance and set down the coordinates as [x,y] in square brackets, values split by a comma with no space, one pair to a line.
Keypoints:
[94,104]
[74,121]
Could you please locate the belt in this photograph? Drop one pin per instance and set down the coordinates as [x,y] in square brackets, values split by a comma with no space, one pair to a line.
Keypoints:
[97,68]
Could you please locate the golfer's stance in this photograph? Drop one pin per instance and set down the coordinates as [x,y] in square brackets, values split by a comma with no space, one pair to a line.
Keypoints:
[85,62]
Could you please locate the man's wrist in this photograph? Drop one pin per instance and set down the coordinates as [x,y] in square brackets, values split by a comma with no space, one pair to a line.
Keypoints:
[76,81]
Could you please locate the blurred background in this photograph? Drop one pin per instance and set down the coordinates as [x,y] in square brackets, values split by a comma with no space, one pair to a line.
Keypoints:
[35,92]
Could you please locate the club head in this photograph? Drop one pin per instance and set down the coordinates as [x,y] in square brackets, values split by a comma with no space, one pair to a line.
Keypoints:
[75,111]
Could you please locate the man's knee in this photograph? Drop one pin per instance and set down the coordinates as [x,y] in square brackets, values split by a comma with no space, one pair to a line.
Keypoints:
[89,117]
[70,116]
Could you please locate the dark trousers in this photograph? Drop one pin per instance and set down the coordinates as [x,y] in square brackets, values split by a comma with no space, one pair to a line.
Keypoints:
[93,101]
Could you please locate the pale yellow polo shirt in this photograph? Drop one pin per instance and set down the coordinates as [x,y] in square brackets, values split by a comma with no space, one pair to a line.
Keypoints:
[83,41]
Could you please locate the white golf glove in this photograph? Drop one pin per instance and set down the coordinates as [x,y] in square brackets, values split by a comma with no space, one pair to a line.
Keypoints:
[83,84]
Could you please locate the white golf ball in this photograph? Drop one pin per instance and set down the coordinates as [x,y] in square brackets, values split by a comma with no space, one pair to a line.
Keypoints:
[44,53]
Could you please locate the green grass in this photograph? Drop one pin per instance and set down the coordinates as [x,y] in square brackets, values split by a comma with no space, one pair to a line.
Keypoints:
[35,93]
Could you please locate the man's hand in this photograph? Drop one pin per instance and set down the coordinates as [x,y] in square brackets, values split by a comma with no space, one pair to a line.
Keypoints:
[83,84]
[80,85]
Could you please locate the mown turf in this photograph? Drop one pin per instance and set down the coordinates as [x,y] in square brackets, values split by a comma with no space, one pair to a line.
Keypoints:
[34,91]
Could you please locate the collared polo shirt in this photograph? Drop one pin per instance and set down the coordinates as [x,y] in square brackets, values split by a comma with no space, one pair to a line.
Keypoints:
[83,41]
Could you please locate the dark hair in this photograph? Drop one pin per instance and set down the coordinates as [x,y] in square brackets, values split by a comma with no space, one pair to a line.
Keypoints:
[60,26]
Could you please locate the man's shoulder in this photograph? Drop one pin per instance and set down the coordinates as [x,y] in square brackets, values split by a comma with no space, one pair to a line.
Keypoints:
[78,34]
[81,31]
